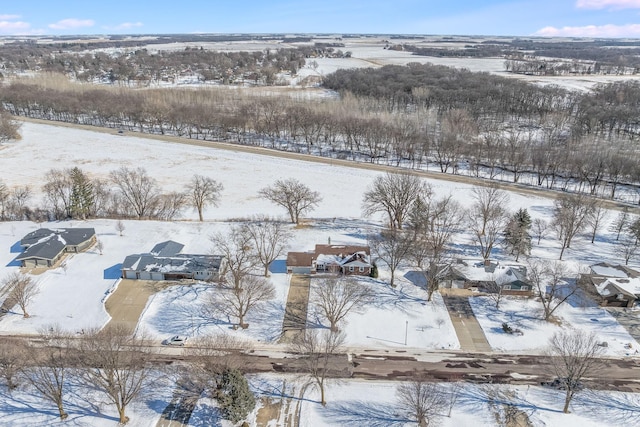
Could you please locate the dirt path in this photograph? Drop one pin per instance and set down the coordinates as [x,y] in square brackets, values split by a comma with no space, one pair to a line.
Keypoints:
[126,303]
[295,314]
[468,330]
[519,188]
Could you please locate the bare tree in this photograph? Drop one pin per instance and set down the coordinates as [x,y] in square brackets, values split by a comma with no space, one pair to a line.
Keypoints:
[4,201]
[204,191]
[253,292]
[336,297]
[120,227]
[115,362]
[422,401]
[487,217]
[58,190]
[574,356]
[270,239]
[621,222]
[238,251]
[394,194]
[597,216]
[550,284]
[99,246]
[18,201]
[570,216]
[539,228]
[626,249]
[292,195]
[13,353]
[316,350]
[138,189]
[495,289]
[20,289]
[392,247]
[489,203]
[434,224]
[9,128]
[50,365]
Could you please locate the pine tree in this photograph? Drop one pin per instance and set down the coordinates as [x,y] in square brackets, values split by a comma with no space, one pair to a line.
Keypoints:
[516,235]
[234,396]
[82,194]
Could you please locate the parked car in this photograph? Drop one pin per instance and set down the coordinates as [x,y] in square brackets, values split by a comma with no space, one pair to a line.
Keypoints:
[175,340]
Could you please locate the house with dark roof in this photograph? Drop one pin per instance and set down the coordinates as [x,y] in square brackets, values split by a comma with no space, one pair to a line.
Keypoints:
[488,276]
[45,247]
[333,259]
[165,262]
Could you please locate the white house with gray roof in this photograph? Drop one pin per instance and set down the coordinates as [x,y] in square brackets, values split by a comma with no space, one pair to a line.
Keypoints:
[165,262]
[44,247]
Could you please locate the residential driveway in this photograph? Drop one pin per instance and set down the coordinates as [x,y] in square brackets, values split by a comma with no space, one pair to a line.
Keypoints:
[179,411]
[295,314]
[468,330]
[627,318]
[126,303]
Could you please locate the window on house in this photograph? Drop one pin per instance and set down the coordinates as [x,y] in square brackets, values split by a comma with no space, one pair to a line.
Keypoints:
[524,288]
[351,268]
[506,287]
[361,269]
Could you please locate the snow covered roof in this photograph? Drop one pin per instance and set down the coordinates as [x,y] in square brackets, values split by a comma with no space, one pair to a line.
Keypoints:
[476,270]
[614,285]
[176,263]
[609,270]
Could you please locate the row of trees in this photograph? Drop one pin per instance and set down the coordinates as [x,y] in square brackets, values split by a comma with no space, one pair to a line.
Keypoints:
[477,124]
[128,193]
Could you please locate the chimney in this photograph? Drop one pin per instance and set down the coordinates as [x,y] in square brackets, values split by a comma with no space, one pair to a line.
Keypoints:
[487,263]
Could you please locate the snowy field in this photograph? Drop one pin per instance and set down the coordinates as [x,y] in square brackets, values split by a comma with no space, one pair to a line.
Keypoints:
[74,298]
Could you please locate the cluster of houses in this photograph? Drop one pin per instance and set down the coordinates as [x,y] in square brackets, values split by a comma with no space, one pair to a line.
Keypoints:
[611,285]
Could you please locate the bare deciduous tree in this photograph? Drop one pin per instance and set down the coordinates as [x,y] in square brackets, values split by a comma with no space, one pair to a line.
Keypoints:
[20,289]
[597,216]
[550,284]
[434,224]
[137,188]
[49,367]
[204,191]
[621,222]
[270,239]
[394,194]
[570,216]
[120,227]
[239,253]
[336,297]
[114,361]
[626,249]
[292,195]
[252,292]
[422,401]
[99,246]
[13,355]
[9,128]
[487,217]
[539,228]
[574,355]
[316,350]
[392,247]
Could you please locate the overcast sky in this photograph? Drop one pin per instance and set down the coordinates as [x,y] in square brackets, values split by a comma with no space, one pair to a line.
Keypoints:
[589,18]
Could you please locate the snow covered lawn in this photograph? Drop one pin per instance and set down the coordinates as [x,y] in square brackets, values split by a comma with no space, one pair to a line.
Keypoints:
[526,315]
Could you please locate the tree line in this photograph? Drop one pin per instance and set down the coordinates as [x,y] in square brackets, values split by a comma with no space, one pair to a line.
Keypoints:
[416,116]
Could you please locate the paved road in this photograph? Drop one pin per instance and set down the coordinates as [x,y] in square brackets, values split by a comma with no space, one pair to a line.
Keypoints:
[295,314]
[467,328]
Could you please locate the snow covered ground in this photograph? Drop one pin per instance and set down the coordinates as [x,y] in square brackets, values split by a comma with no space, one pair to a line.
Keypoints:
[527,316]
[74,298]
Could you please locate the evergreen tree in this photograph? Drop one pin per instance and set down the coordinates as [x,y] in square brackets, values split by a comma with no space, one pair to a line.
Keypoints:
[82,194]
[516,235]
[234,396]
